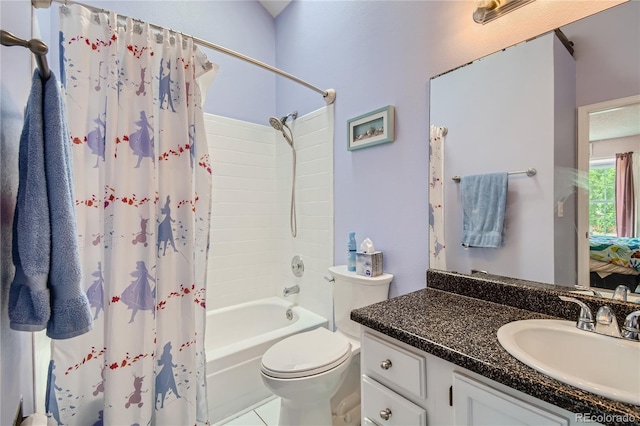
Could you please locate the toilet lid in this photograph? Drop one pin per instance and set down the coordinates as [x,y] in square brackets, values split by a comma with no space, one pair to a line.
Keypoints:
[306,354]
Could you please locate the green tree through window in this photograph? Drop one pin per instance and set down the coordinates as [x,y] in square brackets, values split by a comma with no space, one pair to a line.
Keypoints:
[602,200]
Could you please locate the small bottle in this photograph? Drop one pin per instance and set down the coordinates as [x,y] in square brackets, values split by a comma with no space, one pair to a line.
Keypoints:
[351,258]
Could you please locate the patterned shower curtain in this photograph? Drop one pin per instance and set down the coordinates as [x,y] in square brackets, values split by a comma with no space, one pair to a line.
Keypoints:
[437,253]
[142,187]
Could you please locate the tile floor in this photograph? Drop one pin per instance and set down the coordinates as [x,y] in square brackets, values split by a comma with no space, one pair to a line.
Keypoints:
[265,414]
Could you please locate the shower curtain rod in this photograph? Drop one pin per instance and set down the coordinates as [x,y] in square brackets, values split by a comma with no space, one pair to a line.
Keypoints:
[329,95]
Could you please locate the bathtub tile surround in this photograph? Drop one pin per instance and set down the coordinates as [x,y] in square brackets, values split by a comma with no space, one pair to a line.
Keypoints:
[251,246]
[241,257]
[462,330]
[313,140]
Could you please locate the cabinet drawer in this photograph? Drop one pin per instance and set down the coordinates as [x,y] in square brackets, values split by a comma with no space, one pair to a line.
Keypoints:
[394,365]
[387,407]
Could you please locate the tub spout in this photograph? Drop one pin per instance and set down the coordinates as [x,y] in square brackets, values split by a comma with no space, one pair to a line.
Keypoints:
[288,291]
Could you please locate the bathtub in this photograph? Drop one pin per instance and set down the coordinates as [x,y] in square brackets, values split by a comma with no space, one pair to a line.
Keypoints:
[235,339]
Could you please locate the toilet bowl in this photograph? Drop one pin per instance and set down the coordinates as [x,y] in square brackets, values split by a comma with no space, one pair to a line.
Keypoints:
[307,369]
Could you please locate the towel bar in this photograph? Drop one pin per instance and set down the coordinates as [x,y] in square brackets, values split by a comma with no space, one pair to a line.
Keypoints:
[530,172]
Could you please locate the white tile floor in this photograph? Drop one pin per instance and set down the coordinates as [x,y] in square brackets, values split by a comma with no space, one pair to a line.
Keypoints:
[265,414]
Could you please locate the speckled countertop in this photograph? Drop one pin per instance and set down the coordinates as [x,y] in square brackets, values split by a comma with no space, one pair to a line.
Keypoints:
[463,331]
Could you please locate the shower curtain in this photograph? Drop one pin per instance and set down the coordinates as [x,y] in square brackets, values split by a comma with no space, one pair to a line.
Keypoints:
[142,188]
[437,254]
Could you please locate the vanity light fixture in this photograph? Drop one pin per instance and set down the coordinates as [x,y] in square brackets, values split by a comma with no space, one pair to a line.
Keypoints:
[488,10]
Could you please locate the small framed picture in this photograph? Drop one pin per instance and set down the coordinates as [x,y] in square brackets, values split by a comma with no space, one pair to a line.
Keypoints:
[370,129]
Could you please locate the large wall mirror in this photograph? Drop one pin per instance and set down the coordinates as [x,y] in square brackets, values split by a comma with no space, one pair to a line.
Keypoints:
[518,109]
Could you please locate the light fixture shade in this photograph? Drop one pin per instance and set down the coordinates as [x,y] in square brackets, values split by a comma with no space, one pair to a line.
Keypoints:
[488,10]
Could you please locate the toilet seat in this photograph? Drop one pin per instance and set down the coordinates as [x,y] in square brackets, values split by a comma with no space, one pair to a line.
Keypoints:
[306,354]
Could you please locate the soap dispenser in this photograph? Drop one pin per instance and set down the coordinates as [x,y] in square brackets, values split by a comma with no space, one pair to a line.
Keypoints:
[351,257]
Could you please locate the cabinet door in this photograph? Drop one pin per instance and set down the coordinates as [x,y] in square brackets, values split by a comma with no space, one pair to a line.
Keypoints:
[387,407]
[476,404]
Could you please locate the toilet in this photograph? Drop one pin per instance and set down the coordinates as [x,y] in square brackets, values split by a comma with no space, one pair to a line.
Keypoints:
[306,370]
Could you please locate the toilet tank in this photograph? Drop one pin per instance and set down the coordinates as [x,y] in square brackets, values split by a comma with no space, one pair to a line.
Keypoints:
[352,291]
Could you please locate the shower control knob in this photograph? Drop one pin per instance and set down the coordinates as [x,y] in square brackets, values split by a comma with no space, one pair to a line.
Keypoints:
[385,414]
[386,364]
[297,266]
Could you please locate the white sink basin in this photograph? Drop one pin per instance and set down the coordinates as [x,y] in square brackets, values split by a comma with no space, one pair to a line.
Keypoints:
[604,365]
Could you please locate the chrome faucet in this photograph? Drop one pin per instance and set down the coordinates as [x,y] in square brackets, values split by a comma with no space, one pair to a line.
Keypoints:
[605,322]
[585,320]
[631,328]
[621,292]
[288,291]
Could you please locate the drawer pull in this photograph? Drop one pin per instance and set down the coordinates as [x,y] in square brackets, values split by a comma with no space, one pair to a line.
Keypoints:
[385,414]
[386,364]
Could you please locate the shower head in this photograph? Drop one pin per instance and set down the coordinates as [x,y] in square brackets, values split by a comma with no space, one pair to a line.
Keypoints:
[276,124]
[281,124]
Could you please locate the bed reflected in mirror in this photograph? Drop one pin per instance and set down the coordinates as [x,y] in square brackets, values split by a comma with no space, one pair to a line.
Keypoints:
[608,212]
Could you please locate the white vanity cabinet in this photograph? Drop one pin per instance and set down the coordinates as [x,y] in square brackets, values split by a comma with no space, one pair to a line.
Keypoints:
[478,404]
[402,385]
[393,383]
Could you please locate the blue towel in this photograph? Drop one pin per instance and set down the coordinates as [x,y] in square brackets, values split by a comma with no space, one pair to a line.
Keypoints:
[484,199]
[46,290]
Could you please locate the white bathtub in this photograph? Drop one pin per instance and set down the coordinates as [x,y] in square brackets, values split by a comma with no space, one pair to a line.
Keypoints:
[236,337]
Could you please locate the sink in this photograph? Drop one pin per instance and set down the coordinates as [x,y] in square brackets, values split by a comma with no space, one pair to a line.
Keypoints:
[603,365]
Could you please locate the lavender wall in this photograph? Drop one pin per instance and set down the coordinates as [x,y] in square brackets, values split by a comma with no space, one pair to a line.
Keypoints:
[596,79]
[380,53]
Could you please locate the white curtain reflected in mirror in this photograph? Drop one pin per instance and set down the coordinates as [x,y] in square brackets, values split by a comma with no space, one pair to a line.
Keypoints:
[608,207]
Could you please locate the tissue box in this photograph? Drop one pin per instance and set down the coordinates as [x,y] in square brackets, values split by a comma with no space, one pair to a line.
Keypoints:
[369,264]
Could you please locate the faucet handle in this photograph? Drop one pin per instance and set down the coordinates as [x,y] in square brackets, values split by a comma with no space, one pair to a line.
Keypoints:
[631,328]
[585,320]
[606,322]
[620,293]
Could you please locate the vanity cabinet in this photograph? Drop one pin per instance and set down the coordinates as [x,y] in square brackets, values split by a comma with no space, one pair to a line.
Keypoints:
[393,383]
[478,404]
[402,385]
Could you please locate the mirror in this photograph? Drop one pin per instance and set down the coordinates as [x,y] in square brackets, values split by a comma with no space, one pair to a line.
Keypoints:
[533,126]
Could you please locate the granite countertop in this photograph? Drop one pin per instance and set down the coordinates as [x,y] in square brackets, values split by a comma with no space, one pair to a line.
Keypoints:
[463,331]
